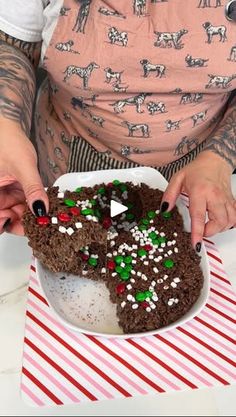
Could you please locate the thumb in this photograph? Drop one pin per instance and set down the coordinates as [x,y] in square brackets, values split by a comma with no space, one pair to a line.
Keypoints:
[172,192]
[33,188]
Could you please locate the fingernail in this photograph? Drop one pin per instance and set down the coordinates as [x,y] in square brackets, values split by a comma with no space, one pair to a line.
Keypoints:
[6,224]
[198,247]
[231,228]
[39,208]
[164,207]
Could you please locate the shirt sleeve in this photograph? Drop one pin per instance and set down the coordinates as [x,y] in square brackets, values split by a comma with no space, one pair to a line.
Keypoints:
[23,19]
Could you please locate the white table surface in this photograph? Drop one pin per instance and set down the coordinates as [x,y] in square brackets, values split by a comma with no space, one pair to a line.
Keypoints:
[14,271]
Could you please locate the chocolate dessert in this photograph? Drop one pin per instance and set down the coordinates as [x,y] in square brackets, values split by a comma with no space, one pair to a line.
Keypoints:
[144,257]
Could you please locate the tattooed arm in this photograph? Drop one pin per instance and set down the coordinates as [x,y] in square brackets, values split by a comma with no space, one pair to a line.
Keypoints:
[17,80]
[223,142]
[20,181]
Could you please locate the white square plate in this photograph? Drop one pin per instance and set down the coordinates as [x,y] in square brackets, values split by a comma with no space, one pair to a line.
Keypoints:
[83,305]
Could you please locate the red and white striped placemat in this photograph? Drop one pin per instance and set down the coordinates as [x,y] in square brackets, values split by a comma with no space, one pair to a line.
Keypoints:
[63,367]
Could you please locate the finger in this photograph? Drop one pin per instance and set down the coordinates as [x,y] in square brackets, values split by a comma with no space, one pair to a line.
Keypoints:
[33,188]
[218,219]
[11,197]
[197,211]
[14,217]
[172,192]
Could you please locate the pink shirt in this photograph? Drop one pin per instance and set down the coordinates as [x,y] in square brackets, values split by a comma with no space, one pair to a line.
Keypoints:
[143,80]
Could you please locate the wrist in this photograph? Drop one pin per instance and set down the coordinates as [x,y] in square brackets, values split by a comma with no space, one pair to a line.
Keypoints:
[213,159]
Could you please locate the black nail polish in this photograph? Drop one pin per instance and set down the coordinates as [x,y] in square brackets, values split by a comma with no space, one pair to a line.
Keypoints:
[6,224]
[164,207]
[39,208]
[198,247]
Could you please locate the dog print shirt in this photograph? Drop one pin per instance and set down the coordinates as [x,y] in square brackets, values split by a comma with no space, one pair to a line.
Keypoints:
[139,81]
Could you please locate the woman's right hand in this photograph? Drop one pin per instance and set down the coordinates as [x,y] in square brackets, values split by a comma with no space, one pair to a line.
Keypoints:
[20,182]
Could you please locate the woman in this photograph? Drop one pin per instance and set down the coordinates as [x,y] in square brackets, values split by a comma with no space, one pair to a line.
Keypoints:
[129,83]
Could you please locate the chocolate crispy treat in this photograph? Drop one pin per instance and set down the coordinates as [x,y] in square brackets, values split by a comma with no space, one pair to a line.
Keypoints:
[144,257]
[71,224]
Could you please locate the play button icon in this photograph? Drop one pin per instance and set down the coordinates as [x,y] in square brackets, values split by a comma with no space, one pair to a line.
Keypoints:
[117,208]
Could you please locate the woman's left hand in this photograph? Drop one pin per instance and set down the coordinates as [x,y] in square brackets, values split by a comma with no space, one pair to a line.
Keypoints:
[207,182]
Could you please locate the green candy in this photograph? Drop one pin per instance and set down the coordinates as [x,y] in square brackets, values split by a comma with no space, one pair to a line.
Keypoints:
[128,259]
[128,268]
[140,296]
[69,203]
[97,213]
[151,214]
[155,242]
[142,227]
[79,189]
[101,190]
[145,221]
[93,202]
[123,187]
[124,275]
[130,216]
[93,261]
[116,182]
[118,269]
[166,215]
[130,205]
[142,252]
[152,235]
[87,212]
[119,259]
[148,294]
[168,263]
[162,239]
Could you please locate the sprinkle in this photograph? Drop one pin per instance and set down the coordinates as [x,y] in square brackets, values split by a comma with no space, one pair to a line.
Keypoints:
[169,252]
[170,302]
[173,284]
[154,298]
[176,250]
[139,274]
[123,304]
[143,276]
[89,217]
[62,229]
[132,279]
[160,281]
[135,306]
[60,195]
[146,263]
[148,309]
[129,297]
[103,270]
[129,287]
[54,220]
[78,225]
[165,277]
[153,283]
[176,300]
[166,287]
[70,231]
[176,279]
[175,234]
[122,264]
[114,274]
[134,261]
[156,270]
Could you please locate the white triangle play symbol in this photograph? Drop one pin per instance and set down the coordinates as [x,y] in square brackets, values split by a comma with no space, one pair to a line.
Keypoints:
[117,208]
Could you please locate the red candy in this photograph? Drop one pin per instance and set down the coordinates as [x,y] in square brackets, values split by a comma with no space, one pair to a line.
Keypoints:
[84,257]
[148,247]
[107,223]
[120,289]
[64,217]
[110,185]
[111,265]
[75,211]
[145,304]
[43,220]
